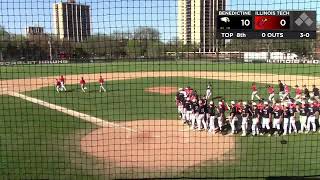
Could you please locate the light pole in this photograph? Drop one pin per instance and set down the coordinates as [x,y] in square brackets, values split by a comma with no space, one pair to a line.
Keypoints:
[50,48]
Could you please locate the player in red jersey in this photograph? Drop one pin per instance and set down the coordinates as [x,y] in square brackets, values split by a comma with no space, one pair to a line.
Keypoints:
[286,92]
[58,85]
[63,82]
[271,93]
[101,82]
[83,84]
[260,105]
[254,92]
[298,93]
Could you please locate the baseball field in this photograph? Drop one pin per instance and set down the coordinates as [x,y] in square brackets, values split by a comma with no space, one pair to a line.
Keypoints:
[133,131]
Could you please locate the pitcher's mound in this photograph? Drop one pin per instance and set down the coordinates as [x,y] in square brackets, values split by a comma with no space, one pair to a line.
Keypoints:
[162,90]
[157,144]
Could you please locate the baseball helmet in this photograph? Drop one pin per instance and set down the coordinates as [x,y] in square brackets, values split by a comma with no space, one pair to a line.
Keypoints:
[211,103]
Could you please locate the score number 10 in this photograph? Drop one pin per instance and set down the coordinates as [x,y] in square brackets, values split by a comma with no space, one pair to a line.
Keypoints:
[247,22]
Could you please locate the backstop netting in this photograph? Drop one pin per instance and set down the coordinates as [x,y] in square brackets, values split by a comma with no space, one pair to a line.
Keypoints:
[141,89]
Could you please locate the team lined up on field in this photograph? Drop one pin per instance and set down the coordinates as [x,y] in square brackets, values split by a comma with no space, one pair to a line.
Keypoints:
[61,81]
[265,117]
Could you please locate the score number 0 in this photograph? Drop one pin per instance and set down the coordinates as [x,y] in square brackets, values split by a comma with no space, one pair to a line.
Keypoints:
[283,22]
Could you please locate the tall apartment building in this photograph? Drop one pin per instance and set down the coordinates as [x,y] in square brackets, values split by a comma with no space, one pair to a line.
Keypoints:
[72,21]
[34,30]
[196,22]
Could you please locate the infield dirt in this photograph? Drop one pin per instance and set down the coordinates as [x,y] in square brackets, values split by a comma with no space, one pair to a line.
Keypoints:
[157,145]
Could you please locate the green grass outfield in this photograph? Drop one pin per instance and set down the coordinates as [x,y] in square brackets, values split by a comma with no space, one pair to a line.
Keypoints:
[35,140]
[27,71]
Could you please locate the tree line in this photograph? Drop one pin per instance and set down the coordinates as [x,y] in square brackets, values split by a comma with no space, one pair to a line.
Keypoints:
[142,42]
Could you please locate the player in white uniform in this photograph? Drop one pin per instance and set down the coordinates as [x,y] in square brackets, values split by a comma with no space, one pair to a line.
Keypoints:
[212,117]
[201,116]
[246,114]
[256,113]
[63,82]
[208,92]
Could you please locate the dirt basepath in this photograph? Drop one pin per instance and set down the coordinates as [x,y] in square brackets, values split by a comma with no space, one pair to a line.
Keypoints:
[22,85]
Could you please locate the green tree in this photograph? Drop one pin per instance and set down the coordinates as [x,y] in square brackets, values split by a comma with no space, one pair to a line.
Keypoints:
[146,42]
[4,38]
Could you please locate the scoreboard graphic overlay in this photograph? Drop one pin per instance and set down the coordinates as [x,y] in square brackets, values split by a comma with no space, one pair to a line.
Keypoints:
[266,25]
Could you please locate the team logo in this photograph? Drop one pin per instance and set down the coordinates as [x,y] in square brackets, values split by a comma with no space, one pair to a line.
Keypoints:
[262,22]
[225,19]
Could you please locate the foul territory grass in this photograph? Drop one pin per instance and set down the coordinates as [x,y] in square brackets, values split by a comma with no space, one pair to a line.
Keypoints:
[37,143]
[27,71]
[255,157]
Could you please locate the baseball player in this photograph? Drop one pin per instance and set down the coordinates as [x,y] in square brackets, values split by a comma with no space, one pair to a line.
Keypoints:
[286,117]
[277,115]
[306,92]
[188,91]
[246,114]
[221,114]
[303,112]
[212,116]
[83,84]
[63,82]
[266,114]
[208,92]
[311,117]
[233,117]
[182,91]
[286,92]
[281,90]
[255,119]
[316,93]
[260,105]
[292,119]
[254,92]
[179,103]
[201,116]
[271,93]
[187,111]
[58,85]
[101,82]
[195,114]
[298,93]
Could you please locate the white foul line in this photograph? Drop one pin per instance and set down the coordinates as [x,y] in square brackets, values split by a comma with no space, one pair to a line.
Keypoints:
[85,117]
